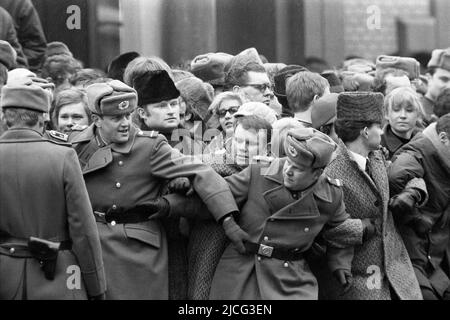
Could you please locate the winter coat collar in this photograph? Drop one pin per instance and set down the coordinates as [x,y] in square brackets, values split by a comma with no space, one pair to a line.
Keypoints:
[274,173]
[89,133]
[393,143]
[443,153]
[21,135]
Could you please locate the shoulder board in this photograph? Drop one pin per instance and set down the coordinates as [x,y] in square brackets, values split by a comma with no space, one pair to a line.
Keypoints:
[58,135]
[335,182]
[149,134]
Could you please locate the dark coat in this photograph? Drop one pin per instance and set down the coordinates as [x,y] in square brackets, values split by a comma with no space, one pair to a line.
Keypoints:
[424,158]
[391,142]
[29,30]
[8,33]
[382,261]
[43,195]
[272,216]
[123,176]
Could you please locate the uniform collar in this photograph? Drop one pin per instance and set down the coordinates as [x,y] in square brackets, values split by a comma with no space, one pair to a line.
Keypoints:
[26,134]
[90,133]
[319,189]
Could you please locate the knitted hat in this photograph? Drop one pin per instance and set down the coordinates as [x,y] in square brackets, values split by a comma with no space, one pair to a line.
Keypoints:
[410,65]
[334,81]
[25,95]
[323,110]
[197,94]
[56,47]
[360,106]
[154,87]
[210,67]
[259,109]
[8,55]
[117,66]
[111,98]
[309,147]
[440,58]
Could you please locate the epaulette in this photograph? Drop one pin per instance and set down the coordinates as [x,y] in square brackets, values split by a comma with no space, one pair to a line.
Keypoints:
[58,135]
[335,182]
[150,134]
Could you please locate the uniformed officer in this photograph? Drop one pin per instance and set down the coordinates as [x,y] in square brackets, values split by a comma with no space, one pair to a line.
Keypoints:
[124,169]
[285,206]
[47,230]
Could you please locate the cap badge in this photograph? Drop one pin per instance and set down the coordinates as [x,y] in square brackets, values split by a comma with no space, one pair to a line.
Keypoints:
[292,150]
[123,105]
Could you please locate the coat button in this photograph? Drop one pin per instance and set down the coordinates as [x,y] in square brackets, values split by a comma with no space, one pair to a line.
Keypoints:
[114,207]
[12,250]
[113,223]
[429,257]
[271,220]
[118,185]
[306,229]
[120,163]
[286,264]
[266,238]
[259,258]
[377,203]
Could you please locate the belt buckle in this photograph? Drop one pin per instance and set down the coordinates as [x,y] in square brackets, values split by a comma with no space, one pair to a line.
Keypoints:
[265,251]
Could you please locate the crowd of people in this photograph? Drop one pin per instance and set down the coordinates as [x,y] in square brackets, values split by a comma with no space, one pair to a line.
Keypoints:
[228,178]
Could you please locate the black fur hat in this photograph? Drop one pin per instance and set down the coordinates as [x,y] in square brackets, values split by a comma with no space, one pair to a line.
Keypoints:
[155,86]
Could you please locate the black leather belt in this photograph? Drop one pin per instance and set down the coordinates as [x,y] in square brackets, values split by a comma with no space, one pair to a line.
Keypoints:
[18,247]
[272,252]
[116,217]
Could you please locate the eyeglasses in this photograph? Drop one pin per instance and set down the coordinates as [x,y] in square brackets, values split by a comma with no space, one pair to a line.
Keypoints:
[223,112]
[261,87]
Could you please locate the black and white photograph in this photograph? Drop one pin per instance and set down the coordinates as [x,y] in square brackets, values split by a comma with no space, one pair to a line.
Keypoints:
[222,155]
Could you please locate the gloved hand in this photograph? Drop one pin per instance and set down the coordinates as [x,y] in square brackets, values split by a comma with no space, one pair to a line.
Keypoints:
[345,278]
[98,297]
[157,208]
[404,202]
[369,228]
[422,224]
[235,233]
[181,185]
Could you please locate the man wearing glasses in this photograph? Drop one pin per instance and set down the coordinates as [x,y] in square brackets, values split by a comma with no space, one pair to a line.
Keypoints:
[251,80]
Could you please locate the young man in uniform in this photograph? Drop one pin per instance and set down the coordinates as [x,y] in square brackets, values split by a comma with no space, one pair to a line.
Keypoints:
[124,169]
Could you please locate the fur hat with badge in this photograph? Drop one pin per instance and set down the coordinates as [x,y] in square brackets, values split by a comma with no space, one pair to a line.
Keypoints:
[308,147]
[111,98]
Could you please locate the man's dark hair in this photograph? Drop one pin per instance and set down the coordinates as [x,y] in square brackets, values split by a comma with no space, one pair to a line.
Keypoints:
[237,75]
[21,117]
[442,105]
[349,131]
[443,125]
